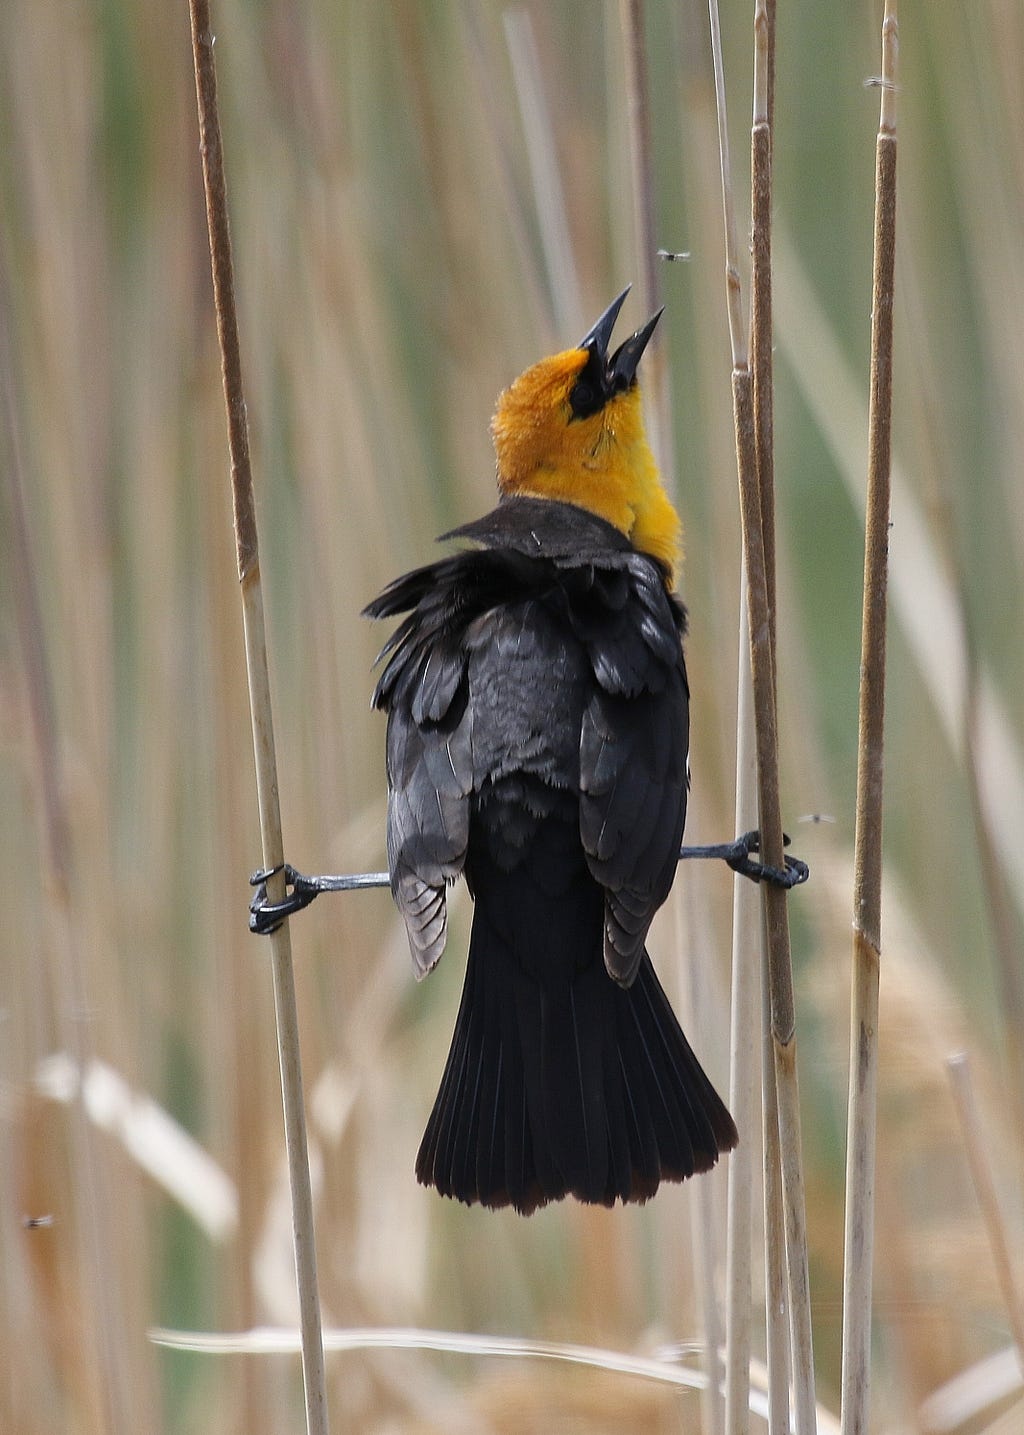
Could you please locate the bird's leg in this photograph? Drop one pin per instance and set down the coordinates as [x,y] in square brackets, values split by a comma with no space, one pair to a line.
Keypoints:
[738,855]
[266,916]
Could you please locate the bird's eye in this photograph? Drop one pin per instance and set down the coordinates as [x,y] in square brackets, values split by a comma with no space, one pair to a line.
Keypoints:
[590,392]
[582,398]
[586,398]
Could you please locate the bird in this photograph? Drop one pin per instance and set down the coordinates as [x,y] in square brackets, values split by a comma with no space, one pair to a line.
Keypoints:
[537,745]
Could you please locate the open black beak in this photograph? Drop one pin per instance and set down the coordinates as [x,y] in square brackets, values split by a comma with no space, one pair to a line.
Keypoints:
[601,376]
[618,372]
[600,335]
[622,366]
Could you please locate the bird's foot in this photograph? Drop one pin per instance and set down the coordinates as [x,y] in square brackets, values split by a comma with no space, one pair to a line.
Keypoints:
[266,916]
[739,856]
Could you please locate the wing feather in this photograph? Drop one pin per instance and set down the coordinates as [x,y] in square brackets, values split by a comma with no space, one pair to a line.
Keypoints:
[633,743]
[432,746]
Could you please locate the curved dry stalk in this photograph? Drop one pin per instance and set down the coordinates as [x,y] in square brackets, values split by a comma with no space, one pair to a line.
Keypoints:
[959,1070]
[664,1369]
[867,888]
[246,540]
[975,1397]
[1002,920]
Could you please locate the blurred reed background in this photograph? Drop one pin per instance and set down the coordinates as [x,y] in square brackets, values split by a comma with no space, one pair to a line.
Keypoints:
[426,197]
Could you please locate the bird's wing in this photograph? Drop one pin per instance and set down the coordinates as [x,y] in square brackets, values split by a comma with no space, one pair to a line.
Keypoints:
[424,688]
[633,729]
[633,745]
[429,780]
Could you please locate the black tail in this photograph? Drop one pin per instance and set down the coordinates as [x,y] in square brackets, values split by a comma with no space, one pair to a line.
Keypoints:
[559,1082]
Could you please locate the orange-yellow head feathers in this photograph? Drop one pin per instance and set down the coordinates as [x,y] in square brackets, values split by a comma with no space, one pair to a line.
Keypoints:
[571,428]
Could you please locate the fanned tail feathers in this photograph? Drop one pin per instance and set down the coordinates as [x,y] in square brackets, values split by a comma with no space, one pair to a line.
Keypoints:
[576,1087]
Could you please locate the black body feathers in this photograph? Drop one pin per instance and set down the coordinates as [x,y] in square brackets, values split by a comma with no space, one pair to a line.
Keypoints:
[537,739]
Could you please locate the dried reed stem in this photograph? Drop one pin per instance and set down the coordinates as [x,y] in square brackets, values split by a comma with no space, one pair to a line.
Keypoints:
[774,899]
[761,331]
[867,890]
[748,932]
[103,1356]
[744,1045]
[959,1071]
[776,1274]
[776,914]
[638,110]
[262,718]
[777,1332]
[1002,918]
[659,422]
[733,286]
[549,194]
[641,170]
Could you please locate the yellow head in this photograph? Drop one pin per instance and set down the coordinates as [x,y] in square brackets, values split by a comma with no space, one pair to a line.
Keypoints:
[571,428]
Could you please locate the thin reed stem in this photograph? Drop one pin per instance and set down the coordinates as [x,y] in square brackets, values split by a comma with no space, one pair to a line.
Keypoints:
[744,1047]
[1003,920]
[776,1276]
[638,109]
[549,192]
[641,170]
[762,341]
[774,899]
[659,423]
[867,890]
[959,1070]
[103,1337]
[246,540]
[733,285]
[776,914]
[761,329]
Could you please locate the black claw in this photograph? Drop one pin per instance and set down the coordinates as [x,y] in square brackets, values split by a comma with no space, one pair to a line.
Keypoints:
[266,916]
[791,875]
[737,855]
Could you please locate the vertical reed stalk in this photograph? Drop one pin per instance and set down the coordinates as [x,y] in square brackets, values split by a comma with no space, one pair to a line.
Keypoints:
[761,329]
[774,899]
[549,193]
[776,917]
[641,170]
[1002,918]
[776,1276]
[638,109]
[103,1337]
[777,1330]
[744,1046]
[867,892]
[246,539]
[659,423]
[959,1071]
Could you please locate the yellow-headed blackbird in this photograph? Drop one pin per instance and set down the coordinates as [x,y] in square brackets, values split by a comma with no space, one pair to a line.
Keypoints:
[538,720]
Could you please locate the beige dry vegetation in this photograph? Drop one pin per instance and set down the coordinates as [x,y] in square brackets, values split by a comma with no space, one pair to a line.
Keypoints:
[394,271]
